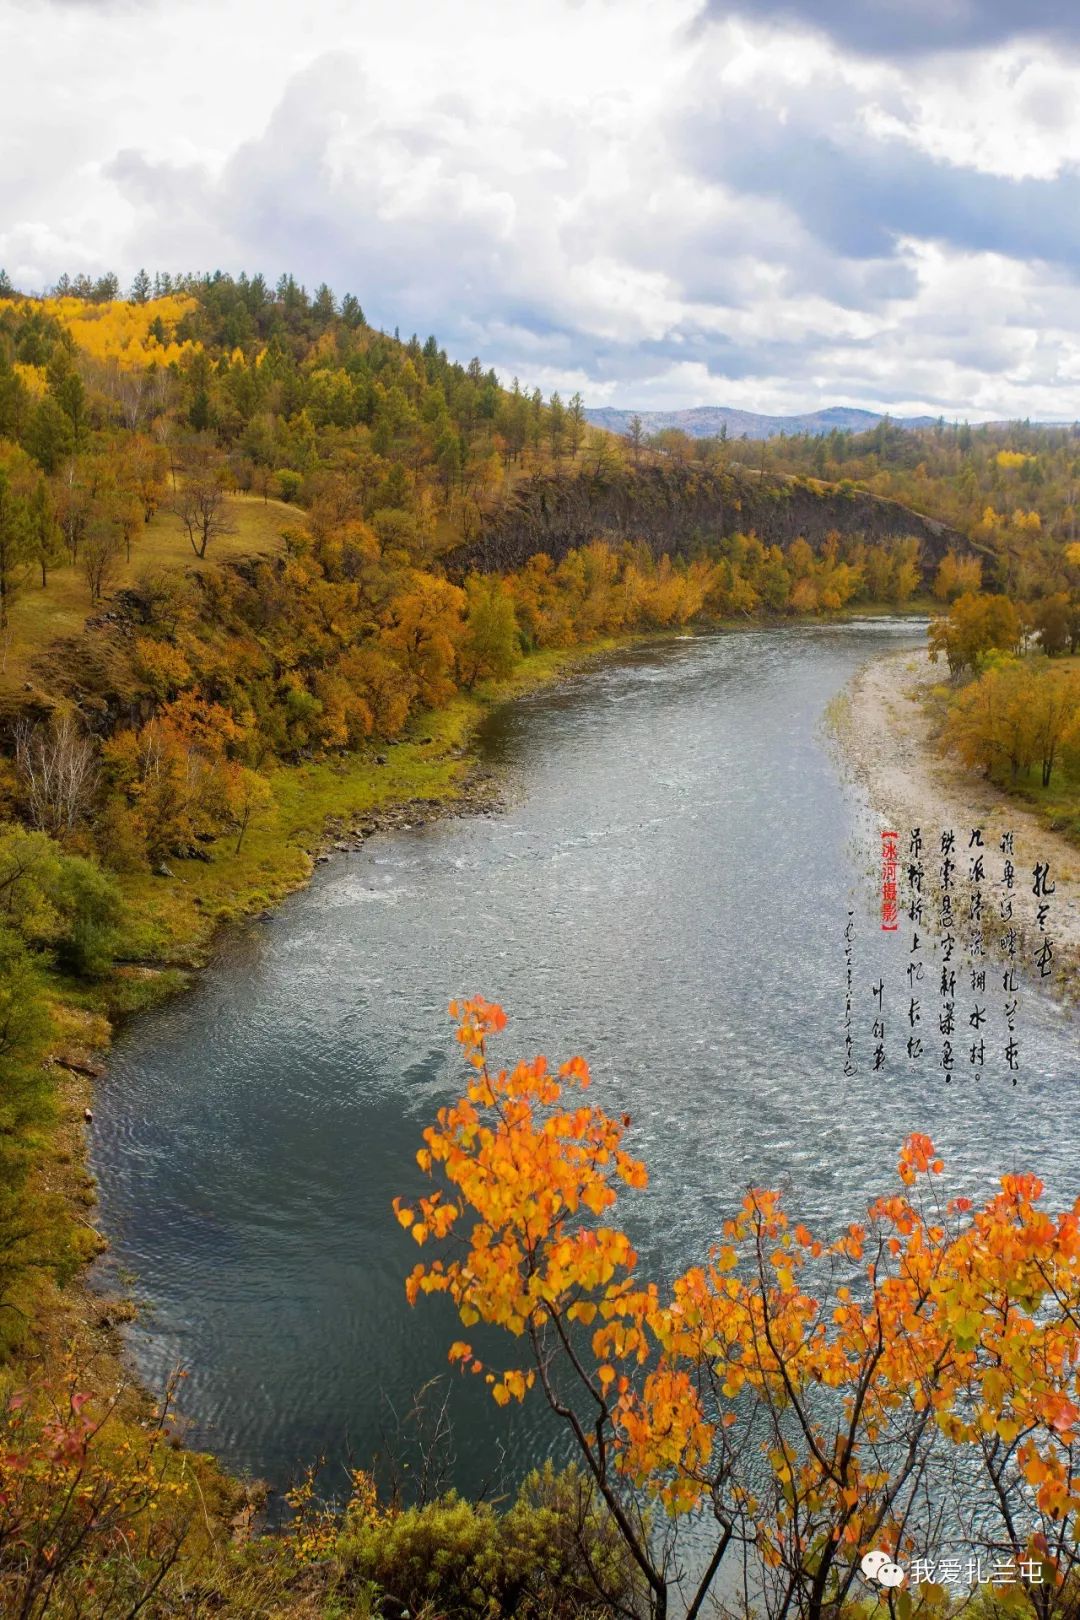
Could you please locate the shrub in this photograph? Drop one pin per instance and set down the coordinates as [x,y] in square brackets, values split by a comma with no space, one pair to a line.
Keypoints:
[549,1554]
[288,483]
[91,903]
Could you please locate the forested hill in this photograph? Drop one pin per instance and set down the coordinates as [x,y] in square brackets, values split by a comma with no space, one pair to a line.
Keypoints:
[678,510]
[218,496]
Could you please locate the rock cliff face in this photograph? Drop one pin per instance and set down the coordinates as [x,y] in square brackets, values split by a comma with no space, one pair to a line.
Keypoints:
[675,509]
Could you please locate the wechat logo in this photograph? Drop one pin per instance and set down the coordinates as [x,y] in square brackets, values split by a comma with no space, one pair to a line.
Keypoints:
[879,1569]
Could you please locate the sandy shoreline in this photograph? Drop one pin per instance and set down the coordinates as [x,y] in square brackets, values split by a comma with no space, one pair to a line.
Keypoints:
[884,735]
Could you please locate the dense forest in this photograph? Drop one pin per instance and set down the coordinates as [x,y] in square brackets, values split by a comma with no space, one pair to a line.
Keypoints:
[250,545]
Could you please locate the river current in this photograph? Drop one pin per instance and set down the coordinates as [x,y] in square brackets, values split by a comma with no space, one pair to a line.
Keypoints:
[666,894]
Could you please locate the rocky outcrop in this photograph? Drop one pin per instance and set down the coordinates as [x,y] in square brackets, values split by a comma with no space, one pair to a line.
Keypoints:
[678,509]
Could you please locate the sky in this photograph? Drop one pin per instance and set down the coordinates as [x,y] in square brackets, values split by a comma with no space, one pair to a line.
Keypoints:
[660,203]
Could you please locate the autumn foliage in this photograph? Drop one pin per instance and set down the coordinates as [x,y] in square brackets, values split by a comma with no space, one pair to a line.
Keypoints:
[1016,717]
[95,1507]
[910,1384]
[134,334]
[104,1515]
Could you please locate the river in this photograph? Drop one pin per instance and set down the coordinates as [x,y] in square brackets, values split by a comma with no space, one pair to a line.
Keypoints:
[667,895]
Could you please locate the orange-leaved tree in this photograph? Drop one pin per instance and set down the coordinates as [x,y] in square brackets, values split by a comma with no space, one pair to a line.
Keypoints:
[910,1386]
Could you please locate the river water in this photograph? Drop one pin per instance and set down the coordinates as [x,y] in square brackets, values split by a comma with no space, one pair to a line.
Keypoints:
[667,895]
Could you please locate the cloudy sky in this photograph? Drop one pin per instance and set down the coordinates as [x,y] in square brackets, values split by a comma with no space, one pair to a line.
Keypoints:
[777,204]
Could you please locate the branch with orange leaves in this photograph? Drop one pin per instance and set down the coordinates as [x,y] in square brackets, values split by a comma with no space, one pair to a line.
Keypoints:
[800,1391]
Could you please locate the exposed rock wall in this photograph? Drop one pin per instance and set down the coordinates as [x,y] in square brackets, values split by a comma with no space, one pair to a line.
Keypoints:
[673,509]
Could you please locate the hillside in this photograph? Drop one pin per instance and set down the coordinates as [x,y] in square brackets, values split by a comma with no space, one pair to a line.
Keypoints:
[253,527]
[677,510]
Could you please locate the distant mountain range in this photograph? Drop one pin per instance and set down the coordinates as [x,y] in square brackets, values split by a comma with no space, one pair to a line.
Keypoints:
[708,421]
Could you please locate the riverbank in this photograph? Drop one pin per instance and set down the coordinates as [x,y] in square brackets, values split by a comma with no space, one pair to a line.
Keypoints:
[237,1127]
[317,811]
[885,732]
[625,787]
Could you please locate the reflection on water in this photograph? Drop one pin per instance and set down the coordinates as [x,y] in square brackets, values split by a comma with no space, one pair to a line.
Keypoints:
[667,895]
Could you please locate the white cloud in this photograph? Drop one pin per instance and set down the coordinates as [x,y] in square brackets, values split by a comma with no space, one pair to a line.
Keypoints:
[589,195]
